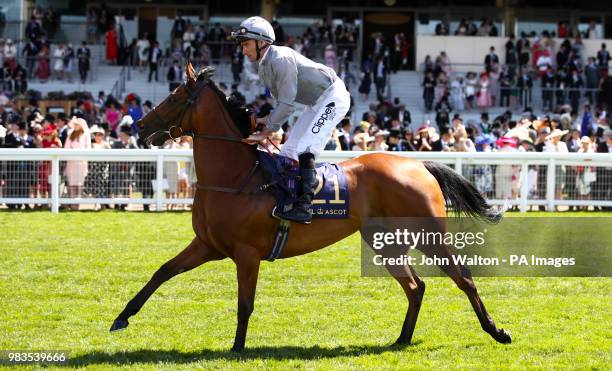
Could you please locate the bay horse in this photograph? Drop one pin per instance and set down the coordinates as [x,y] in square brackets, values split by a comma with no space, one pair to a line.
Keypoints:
[229,223]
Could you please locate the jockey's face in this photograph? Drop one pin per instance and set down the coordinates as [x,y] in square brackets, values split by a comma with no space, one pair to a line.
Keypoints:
[249,49]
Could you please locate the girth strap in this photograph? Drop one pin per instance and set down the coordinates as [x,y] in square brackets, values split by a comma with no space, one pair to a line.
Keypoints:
[280,240]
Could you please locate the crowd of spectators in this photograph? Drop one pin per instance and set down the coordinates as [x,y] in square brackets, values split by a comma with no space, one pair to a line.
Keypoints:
[204,44]
[487,27]
[101,123]
[565,78]
[467,27]
[388,127]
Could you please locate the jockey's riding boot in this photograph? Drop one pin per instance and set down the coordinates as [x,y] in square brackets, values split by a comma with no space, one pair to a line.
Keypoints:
[302,208]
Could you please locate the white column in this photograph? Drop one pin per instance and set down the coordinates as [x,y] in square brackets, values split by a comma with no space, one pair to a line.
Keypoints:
[524,185]
[459,165]
[158,183]
[550,184]
[55,180]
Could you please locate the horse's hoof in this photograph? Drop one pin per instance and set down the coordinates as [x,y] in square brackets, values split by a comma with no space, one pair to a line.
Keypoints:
[236,349]
[119,325]
[400,343]
[503,336]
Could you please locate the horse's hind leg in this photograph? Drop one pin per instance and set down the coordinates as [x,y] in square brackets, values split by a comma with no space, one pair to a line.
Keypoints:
[191,257]
[463,278]
[414,288]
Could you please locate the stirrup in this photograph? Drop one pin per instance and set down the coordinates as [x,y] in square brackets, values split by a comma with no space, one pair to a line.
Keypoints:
[275,214]
[283,217]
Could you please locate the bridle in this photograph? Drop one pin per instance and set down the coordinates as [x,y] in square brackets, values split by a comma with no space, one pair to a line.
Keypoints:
[176,131]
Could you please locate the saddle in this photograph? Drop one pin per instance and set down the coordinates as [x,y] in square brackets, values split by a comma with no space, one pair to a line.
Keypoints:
[331,199]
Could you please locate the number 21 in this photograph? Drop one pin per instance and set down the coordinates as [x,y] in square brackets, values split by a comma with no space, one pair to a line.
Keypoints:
[336,199]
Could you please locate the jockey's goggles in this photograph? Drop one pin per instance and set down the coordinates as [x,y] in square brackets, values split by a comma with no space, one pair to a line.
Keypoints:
[241,34]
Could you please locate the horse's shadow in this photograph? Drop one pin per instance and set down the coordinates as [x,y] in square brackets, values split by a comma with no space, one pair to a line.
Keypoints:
[263,352]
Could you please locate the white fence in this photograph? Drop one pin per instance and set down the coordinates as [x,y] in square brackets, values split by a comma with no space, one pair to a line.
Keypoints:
[163,178]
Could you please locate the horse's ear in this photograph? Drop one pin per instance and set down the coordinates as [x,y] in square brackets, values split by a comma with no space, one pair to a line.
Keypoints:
[191,77]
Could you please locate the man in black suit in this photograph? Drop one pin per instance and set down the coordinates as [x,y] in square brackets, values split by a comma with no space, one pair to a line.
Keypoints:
[402,115]
[179,27]
[491,58]
[344,134]
[83,55]
[445,141]
[61,122]
[174,75]
[155,55]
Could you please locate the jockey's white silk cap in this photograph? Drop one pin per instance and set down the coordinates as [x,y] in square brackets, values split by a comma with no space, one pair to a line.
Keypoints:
[255,28]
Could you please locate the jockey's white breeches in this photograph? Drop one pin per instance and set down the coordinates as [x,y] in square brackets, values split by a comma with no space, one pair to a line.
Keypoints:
[315,125]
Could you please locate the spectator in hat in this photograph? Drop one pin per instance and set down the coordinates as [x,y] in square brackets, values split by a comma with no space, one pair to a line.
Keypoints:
[585,175]
[424,138]
[50,139]
[506,176]
[555,144]
[362,141]
[462,142]
[97,180]
[380,141]
[409,142]
[76,170]
[122,173]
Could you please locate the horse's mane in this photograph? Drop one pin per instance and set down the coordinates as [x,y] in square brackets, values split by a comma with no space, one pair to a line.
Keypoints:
[239,113]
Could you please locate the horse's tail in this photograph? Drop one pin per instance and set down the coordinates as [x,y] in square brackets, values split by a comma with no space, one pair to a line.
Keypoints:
[462,195]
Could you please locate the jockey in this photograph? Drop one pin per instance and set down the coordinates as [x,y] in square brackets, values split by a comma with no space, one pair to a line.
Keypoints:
[293,78]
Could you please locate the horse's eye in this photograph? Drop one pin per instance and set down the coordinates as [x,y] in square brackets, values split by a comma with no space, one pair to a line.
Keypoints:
[172,100]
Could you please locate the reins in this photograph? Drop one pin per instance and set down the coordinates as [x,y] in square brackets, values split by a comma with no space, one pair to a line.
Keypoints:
[176,131]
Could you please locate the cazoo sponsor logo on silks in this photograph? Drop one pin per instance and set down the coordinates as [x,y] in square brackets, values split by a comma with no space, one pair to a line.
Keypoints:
[330,113]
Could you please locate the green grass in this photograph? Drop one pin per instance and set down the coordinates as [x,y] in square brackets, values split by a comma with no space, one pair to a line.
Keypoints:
[64,278]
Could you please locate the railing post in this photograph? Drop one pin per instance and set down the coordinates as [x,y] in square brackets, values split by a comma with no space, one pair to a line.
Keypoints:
[55,184]
[459,165]
[524,185]
[550,184]
[158,183]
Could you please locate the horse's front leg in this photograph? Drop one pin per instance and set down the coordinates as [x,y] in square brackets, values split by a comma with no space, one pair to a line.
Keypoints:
[194,255]
[247,261]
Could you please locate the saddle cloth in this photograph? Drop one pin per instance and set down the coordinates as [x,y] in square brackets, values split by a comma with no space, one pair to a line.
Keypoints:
[331,199]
